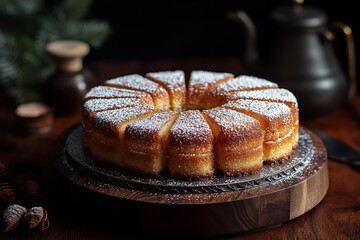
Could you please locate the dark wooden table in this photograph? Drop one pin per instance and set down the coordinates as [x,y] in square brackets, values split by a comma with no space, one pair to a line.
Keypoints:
[336,217]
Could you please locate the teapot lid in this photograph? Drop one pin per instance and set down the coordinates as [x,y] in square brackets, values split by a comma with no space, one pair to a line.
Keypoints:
[299,15]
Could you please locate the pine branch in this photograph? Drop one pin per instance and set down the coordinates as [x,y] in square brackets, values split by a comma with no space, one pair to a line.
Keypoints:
[76,9]
[19,17]
[20,7]
[93,32]
[26,28]
[9,55]
[48,32]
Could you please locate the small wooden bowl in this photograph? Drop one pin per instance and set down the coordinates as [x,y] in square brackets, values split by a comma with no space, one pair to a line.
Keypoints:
[34,117]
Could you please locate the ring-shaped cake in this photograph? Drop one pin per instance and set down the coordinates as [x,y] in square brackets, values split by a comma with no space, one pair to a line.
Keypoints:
[212,124]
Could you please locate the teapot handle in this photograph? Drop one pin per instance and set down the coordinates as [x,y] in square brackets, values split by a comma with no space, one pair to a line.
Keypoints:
[350,52]
[250,54]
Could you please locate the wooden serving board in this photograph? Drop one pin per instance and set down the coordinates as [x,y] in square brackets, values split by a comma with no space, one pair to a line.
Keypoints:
[219,206]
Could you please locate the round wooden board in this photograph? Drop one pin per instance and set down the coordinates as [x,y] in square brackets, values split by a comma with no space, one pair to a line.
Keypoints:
[220,207]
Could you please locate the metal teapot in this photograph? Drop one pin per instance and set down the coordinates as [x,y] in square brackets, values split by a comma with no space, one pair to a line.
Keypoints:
[299,55]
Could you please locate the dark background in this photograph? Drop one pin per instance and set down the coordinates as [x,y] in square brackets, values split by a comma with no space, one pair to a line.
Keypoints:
[200,28]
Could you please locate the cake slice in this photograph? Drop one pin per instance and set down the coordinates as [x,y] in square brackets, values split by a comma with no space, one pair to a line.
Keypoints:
[238,141]
[136,82]
[276,119]
[271,95]
[190,147]
[201,82]
[92,106]
[174,83]
[220,94]
[104,92]
[108,131]
[145,142]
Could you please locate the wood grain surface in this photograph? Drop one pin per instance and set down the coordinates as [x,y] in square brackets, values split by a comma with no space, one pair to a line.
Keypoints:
[337,216]
[292,194]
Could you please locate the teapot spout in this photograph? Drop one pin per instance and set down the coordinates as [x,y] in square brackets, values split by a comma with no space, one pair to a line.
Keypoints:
[250,53]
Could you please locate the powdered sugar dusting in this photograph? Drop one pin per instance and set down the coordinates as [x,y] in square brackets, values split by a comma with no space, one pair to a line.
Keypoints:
[293,171]
[111,119]
[243,82]
[205,77]
[174,83]
[109,92]
[147,129]
[201,80]
[122,103]
[136,81]
[234,125]
[101,104]
[190,128]
[171,79]
[278,95]
[272,110]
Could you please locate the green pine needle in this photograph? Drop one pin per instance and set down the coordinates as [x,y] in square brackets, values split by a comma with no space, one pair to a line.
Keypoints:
[19,7]
[25,29]
[9,54]
[93,32]
[77,9]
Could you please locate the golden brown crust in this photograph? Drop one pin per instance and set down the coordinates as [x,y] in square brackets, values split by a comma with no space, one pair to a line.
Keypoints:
[191,165]
[190,146]
[200,84]
[136,82]
[190,129]
[283,158]
[174,83]
[145,142]
[232,140]
[282,149]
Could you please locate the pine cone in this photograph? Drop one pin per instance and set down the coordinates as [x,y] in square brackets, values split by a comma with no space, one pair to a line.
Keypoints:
[12,217]
[44,224]
[36,219]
